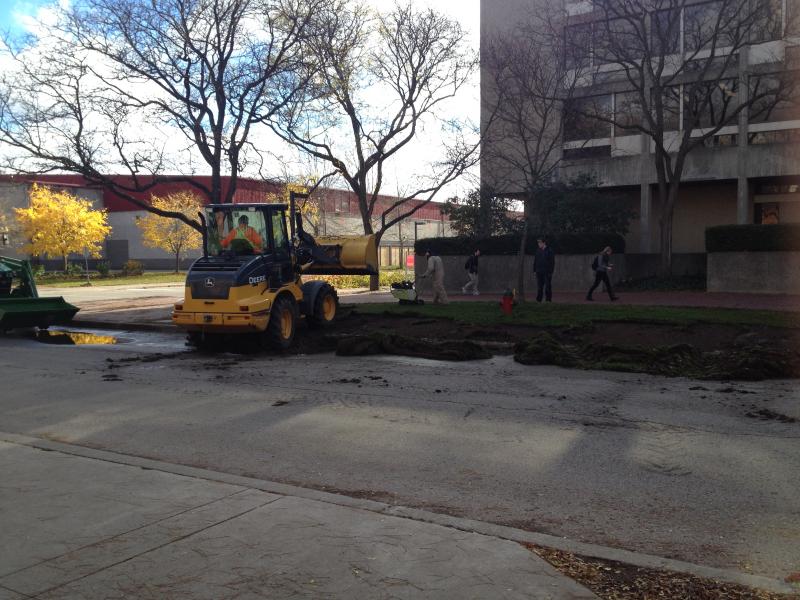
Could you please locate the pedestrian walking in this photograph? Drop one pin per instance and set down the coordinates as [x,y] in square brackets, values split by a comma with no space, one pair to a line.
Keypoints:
[436,273]
[544,263]
[601,266]
[472,272]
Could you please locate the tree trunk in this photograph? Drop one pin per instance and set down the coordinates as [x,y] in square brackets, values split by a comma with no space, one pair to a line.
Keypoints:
[521,263]
[178,261]
[665,233]
[65,264]
[374,280]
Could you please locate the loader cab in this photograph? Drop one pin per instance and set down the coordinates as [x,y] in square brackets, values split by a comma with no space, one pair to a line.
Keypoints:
[241,233]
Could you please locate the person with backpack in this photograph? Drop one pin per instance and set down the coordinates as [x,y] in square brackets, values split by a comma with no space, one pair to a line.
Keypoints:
[601,267]
[471,267]
[544,263]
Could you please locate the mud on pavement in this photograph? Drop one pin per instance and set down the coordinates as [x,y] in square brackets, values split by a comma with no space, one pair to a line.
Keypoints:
[699,350]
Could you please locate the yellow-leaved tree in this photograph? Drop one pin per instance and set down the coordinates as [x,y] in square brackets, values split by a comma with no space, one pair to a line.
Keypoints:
[57,223]
[309,207]
[168,234]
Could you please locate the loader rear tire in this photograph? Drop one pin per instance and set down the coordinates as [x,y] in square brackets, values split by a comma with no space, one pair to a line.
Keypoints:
[326,306]
[282,323]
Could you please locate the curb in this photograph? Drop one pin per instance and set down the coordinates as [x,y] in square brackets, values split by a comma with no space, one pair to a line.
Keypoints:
[461,524]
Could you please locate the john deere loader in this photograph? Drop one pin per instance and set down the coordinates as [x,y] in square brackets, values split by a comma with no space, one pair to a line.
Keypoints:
[20,304]
[250,277]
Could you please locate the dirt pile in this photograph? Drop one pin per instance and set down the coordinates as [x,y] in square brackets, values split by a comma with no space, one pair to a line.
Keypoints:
[750,363]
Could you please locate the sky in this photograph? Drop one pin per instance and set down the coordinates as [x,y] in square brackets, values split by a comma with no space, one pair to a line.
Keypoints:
[17,16]
[11,12]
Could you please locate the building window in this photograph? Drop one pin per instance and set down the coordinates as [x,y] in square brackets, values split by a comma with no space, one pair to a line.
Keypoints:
[581,118]
[705,26]
[768,21]
[709,104]
[779,98]
[721,141]
[780,136]
[616,40]
[792,25]
[587,152]
[666,32]
[627,113]
[578,46]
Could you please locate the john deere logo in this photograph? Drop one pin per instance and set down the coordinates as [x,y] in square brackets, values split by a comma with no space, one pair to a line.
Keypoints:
[209,282]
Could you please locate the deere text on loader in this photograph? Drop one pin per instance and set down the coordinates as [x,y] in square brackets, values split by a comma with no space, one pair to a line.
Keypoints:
[250,277]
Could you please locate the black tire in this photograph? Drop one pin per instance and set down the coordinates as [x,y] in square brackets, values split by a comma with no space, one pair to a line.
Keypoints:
[326,307]
[282,323]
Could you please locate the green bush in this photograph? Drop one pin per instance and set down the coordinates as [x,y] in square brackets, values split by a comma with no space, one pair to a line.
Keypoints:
[74,269]
[132,268]
[104,268]
[37,270]
[564,243]
[385,279]
[753,238]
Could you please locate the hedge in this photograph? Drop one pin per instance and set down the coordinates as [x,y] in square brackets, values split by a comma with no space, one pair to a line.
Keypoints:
[565,243]
[753,238]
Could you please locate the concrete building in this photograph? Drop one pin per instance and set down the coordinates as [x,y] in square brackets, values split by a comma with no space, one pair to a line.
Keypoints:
[748,172]
[338,214]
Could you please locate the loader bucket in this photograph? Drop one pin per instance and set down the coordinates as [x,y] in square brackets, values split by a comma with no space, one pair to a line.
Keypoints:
[34,312]
[347,255]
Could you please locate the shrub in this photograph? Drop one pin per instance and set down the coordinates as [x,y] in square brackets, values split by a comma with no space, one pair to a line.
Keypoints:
[37,270]
[753,238]
[385,279]
[132,268]
[104,268]
[74,269]
[564,243]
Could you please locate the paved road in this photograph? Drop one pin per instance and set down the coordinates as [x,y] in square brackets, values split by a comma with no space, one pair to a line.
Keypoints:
[670,467]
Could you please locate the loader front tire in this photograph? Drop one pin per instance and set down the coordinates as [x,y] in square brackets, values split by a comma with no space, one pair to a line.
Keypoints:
[326,306]
[282,323]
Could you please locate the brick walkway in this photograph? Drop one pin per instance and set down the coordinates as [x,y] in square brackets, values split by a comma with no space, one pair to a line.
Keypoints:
[779,302]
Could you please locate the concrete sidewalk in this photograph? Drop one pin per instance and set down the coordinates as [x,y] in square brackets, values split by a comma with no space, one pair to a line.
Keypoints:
[81,523]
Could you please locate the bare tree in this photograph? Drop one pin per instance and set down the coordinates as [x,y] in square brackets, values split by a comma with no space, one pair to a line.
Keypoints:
[526,84]
[112,75]
[682,66]
[382,76]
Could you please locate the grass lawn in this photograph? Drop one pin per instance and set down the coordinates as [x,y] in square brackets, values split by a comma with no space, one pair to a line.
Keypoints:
[157,277]
[561,315]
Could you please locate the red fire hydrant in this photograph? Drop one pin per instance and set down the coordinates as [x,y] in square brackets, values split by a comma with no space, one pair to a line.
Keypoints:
[507,302]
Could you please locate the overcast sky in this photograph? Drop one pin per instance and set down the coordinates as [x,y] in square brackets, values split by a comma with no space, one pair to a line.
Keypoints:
[19,15]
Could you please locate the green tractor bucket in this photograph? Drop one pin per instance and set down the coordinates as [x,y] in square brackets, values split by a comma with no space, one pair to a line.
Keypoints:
[34,312]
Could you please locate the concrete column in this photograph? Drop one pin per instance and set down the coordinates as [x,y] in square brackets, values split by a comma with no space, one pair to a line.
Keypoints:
[645,212]
[744,201]
[743,194]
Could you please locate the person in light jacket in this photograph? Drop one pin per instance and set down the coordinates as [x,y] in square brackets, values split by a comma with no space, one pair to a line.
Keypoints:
[601,267]
[436,273]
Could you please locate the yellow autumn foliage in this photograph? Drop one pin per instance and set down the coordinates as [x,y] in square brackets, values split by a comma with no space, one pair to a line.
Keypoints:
[57,223]
[172,235]
[308,207]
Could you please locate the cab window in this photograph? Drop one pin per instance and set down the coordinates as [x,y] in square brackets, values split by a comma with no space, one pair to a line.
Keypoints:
[239,231]
[279,231]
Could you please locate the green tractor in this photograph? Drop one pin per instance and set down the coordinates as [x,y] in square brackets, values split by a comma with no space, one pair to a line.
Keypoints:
[20,304]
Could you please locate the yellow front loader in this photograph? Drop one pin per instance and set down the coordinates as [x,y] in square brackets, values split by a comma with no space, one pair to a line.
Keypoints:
[250,277]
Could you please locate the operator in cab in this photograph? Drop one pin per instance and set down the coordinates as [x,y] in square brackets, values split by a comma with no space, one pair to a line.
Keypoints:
[244,232]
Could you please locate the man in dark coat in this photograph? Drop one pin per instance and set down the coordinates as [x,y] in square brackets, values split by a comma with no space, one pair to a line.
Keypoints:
[544,263]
